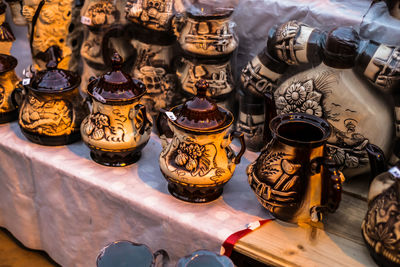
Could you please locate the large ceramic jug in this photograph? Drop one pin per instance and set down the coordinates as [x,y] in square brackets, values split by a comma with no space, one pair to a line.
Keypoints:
[199,161]
[118,127]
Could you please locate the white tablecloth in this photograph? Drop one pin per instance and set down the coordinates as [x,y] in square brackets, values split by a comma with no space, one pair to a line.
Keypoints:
[58,200]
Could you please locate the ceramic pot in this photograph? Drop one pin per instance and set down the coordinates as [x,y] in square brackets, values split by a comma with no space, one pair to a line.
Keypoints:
[8,81]
[50,106]
[217,73]
[293,178]
[394,8]
[6,34]
[199,161]
[380,225]
[125,253]
[16,12]
[204,258]
[152,14]
[206,31]
[118,127]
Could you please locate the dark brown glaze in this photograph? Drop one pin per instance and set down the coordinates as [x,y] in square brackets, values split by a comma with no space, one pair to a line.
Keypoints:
[201,11]
[48,140]
[116,86]
[8,116]
[200,112]
[116,159]
[3,8]
[7,63]
[340,48]
[377,160]
[365,55]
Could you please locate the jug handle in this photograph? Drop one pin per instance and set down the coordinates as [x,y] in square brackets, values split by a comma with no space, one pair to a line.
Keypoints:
[377,160]
[335,181]
[146,122]
[177,24]
[19,91]
[164,257]
[240,136]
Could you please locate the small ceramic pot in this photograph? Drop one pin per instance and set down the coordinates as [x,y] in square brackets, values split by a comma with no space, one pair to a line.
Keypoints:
[380,225]
[118,127]
[204,258]
[8,80]
[51,108]
[217,73]
[198,161]
[6,34]
[206,31]
[152,14]
[292,178]
[125,253]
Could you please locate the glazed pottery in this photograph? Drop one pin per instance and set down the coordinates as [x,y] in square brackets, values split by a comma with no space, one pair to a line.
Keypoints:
[152,14]
[199,161]
[205,30]
[8,80]
[16,8]
[125,253]
[217,73]
[394,8]
[51,108]
[6,35]
[380,225]
[118,127]
[48,25]
[293,178]
[339,87]
[202,258]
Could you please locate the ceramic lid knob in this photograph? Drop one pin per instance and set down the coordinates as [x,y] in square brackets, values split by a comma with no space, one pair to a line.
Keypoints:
[116,61]
[340,48]
[202,87]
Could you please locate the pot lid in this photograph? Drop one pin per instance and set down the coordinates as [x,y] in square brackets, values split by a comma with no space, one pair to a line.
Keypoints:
[209,11]
[53,79]
[200,112]
[7,63]
[116,84]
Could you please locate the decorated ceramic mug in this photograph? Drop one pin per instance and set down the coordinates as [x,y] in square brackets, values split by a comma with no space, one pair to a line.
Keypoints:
[293,178]
[199,161]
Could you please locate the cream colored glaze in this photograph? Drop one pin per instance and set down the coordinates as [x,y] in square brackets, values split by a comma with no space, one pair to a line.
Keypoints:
[115,128]
[350,104]
[216,152]
[206,43]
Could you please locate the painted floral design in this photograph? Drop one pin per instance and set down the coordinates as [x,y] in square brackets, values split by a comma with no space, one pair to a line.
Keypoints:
[98,127]
[300,97]
[189,155]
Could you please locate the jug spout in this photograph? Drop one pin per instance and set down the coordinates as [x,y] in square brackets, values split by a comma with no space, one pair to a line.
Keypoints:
[376,160]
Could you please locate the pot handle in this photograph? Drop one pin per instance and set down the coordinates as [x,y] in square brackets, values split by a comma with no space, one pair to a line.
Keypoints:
[18,95]
[240,136]
[146,124]
[177,23]
[164,258]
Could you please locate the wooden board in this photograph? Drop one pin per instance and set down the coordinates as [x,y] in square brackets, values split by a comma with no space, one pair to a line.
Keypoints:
[337,242]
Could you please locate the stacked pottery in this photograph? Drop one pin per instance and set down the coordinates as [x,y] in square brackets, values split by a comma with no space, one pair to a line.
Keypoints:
[199,161]
[8,80]
[51,107]
[152,40]
[118,127]
[6,35]
[206,36]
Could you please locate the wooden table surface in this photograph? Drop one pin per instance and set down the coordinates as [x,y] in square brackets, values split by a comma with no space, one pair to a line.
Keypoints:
[335,242]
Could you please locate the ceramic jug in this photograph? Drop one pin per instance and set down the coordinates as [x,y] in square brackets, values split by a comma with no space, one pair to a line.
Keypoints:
[8,81]
[293,178]
[118,127]
[347,86]
[204,258]
[380,225]
[125,253]
[205,30]
[394,8]
[6,35]
[50,106]
[198,161]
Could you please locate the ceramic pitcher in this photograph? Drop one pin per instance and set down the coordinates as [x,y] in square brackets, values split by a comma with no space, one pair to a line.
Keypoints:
[6,35]
[51,108]
[206,30]
[118,127]
[8,81]
[293,178]
[199,161]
